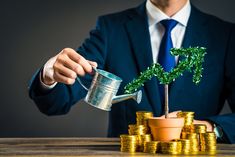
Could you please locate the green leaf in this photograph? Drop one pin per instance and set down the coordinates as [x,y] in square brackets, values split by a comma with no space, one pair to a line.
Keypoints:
[194,57]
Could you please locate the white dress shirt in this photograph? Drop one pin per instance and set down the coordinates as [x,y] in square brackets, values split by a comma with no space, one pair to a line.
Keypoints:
[156,30]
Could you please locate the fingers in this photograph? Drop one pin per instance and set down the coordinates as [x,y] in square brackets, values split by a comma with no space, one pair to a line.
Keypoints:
[94,64]
[65,61]
[172,114]
[69,64]
[73,55]
[60,68]
[209,125]
[61,78]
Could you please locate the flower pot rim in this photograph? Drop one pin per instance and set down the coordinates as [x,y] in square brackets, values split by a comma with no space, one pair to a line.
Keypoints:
[166,122]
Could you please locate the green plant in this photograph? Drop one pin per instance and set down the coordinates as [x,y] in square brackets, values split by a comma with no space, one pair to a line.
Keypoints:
[193,59]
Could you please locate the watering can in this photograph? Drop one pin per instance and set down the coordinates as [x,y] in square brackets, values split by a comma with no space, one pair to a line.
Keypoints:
[103,90]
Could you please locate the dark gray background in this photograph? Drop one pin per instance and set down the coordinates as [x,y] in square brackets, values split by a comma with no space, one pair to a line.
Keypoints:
[34,30]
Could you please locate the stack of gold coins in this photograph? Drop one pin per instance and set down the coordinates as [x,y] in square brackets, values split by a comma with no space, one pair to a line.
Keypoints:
[188,120]
[137,129]
[194,141]
[210,141]
[142,118]
[186,147]
[188,128]
[129,143]
[202,142]
[143,139]
[151,147]
[172,147]
[194,138]
[200,129]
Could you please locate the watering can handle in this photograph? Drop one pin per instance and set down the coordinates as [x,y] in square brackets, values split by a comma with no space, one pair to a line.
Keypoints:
[80,82]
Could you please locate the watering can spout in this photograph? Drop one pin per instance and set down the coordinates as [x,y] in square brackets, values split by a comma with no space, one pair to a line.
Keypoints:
[137,96]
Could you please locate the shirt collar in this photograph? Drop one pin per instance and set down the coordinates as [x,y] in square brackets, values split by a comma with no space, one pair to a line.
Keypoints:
[155,15]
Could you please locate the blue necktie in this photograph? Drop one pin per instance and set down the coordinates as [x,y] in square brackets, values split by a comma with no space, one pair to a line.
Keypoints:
[164,57]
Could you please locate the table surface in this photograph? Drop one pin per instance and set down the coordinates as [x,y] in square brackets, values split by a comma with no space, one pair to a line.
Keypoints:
[71,147]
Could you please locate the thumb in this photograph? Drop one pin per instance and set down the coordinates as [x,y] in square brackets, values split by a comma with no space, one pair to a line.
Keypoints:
[172,114]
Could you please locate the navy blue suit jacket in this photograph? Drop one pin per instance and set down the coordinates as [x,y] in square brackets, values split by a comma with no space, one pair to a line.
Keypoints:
[120,44]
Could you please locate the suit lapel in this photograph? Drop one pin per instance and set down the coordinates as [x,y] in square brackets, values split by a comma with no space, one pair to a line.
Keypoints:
[195,35]
[137,29]
[195,31]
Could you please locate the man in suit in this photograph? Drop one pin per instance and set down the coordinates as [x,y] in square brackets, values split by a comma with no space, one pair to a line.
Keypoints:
[125,44]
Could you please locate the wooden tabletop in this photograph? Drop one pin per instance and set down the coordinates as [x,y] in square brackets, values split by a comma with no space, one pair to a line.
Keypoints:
[71,147]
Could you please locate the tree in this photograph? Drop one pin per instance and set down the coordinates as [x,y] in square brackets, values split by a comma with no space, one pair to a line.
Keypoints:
[193,59]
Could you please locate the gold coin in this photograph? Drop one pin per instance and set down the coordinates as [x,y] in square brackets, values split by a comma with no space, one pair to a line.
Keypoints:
[137,129]
[186,145]
[144,114]
[200,128]
[185,113]
[142,119]
[172,147]
[188,117]
[143,139]
[151,147]
[185,135]
[128,143]
[209,141]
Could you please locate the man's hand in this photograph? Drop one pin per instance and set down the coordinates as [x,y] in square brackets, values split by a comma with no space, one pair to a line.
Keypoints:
[172,114]
[65,67]
[209,126]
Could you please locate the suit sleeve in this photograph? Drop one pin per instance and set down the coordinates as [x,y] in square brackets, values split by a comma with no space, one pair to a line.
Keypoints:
[59,100]
[227,122]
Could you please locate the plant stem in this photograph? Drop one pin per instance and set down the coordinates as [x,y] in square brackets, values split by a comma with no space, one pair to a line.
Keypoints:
[166,100]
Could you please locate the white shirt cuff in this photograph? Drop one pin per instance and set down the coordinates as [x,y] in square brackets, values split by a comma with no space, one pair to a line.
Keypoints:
[48,69]
[44,86]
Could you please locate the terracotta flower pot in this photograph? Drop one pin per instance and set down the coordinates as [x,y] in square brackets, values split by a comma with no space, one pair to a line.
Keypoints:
[166,129]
